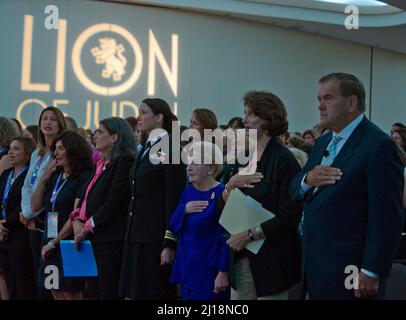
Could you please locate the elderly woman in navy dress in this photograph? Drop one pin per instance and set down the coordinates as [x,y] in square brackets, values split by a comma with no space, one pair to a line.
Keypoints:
[201,265]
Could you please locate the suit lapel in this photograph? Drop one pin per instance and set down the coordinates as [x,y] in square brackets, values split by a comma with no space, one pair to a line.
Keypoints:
[345,154]
[142,155]
[101,176]
[323,147]
[138,159]
[16,182]
[348,149]
[318,157]
[265,155]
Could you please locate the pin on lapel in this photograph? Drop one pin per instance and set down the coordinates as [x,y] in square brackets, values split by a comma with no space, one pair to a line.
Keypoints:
[161,156]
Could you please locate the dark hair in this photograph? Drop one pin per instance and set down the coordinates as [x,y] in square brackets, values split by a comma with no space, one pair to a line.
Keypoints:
[270,108]
[71,122]
[28,145]
[161,106]
[312,132]
[402,133]
[83,132]
[399,125]
[78,151]
[20,127]
[125,142]
[132,121]
[235,122]
[285,136]
[8,130]
[350,85]
[60,118]
[206,118]
[33,129]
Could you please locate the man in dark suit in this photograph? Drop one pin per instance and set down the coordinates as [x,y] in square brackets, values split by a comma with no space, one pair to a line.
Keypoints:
[352,191]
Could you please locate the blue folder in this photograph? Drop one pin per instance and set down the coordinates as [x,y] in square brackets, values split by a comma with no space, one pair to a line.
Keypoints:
[76,263]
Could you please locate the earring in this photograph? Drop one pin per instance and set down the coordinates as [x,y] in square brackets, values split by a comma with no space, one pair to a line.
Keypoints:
[209,173]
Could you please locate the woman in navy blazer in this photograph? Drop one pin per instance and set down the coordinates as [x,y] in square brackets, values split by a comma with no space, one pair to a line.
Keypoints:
[156,184]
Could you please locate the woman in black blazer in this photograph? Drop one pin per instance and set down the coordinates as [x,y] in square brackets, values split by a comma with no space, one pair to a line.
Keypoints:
[155,192]
[276,267]
[16,258]
[103,208]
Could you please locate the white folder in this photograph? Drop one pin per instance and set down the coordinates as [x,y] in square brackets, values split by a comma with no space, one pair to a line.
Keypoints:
[242,212]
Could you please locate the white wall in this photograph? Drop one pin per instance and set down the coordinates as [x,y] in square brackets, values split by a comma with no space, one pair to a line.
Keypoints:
[388,89]
[220,59]
[224,58]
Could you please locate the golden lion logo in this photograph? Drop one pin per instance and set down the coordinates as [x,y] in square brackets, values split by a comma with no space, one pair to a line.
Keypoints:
[111,55]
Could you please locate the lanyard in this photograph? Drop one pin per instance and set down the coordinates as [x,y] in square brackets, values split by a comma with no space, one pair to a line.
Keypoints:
[7,189]
[56,190]
[36,168]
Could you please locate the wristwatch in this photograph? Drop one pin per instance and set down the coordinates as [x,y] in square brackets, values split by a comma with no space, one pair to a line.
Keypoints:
[250,234]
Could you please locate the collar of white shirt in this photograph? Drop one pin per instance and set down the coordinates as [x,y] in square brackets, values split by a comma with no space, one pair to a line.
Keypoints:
[349,129]
[158,134]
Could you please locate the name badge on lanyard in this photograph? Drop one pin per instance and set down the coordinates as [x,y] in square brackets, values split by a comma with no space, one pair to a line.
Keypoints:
[52,225]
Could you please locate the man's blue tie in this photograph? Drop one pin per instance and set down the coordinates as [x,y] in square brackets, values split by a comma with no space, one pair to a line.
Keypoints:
[331,151]
[326,161]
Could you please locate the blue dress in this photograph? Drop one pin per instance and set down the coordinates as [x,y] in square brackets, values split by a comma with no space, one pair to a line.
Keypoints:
[202,250]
